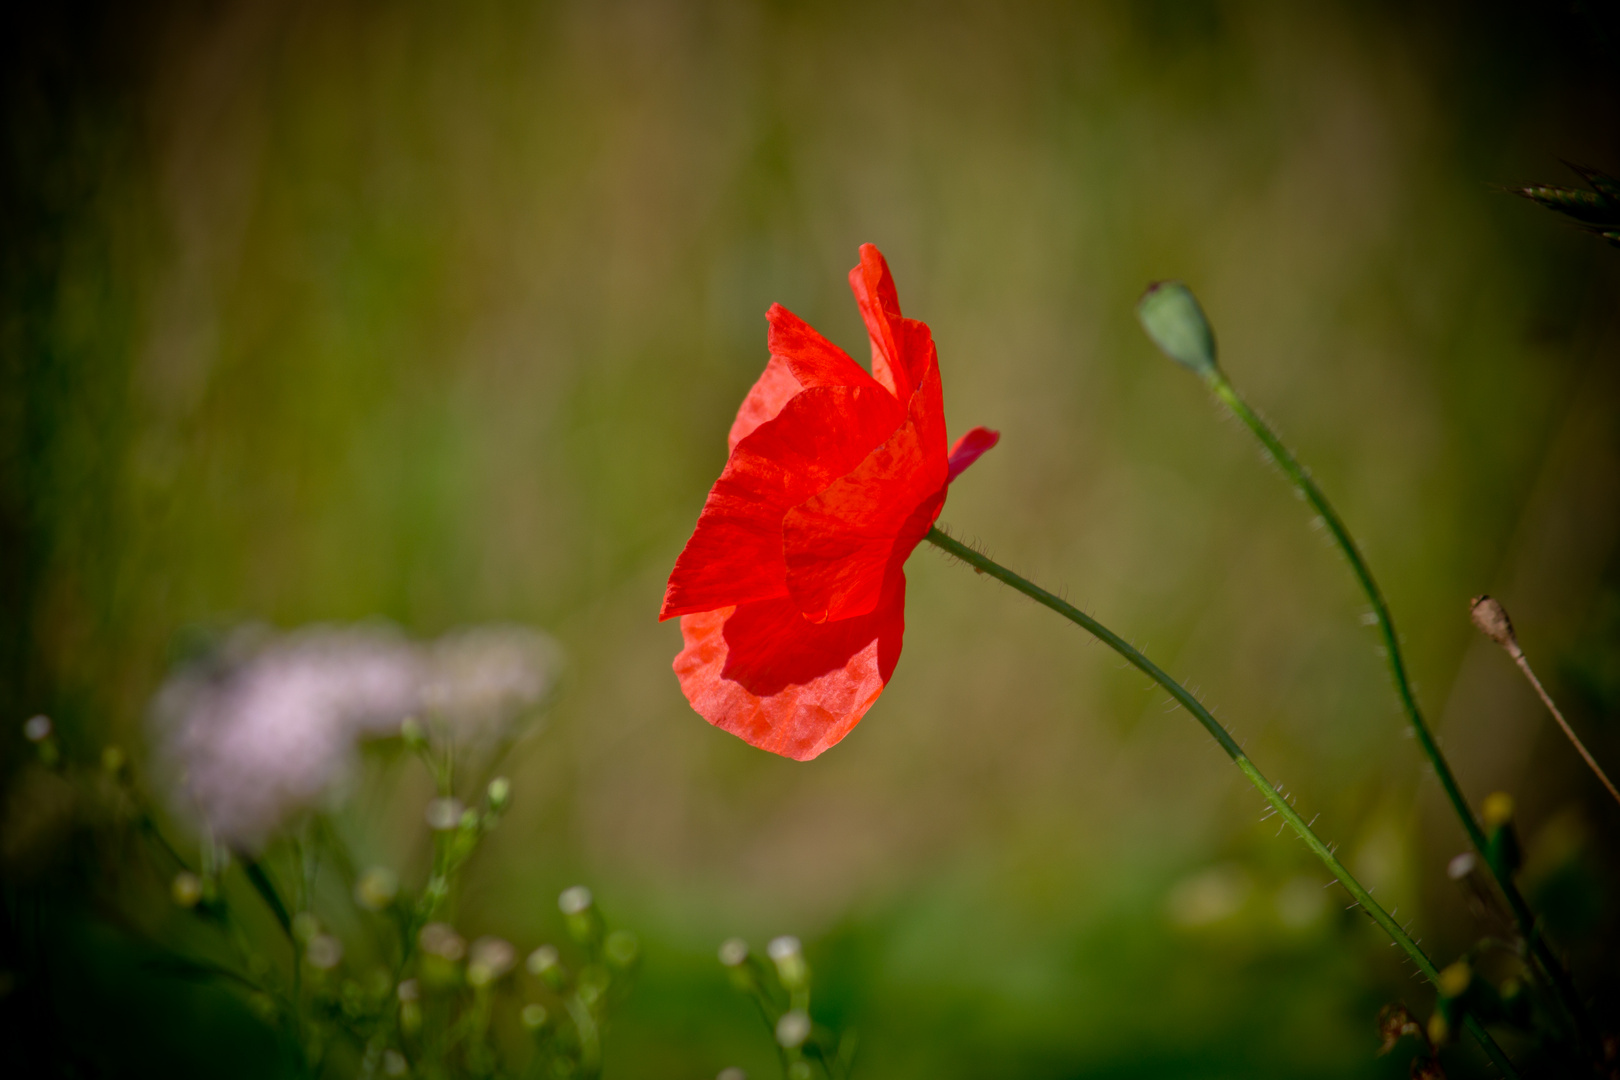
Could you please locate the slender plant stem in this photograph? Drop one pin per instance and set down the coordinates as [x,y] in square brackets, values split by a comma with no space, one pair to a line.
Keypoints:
[1552,967]
[1546,699]
[1272,793]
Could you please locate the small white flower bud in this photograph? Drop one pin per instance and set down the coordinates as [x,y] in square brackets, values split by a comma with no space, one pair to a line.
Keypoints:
[490,958]
[444,814]
[788,956]
[376,888]
[323,952]
[441,940]
[793,1029]
[500,793]
[575,900]
[36,729]
[734,952]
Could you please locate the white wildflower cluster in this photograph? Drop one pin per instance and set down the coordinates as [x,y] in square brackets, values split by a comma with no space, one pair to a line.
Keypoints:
[272,723]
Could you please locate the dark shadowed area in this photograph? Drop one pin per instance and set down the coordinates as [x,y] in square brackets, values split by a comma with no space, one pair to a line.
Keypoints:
[440,314]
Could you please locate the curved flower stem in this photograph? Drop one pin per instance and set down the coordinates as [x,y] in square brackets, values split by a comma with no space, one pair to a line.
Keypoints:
[1272,793]
[1541,950]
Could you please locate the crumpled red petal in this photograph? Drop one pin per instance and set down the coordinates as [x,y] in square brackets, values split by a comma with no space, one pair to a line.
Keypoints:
[735,554]
[840,543]
[902,348]
[782,683]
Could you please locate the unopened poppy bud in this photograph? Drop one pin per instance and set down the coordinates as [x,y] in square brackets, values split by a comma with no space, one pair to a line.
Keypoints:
[444,814]
[1170,314]
[786,953]
[734,952]
[1492,620]
[793,1029]
[376,888]
[534,1016]
[323,952]
[186,889]
[500,793]
[1454,980]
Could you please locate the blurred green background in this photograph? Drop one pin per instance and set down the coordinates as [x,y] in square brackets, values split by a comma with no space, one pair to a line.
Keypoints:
[440,313]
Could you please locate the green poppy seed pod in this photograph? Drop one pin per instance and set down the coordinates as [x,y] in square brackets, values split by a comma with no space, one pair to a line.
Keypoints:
[1170,314]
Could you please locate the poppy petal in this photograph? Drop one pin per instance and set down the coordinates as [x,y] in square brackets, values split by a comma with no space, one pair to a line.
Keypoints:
[784,684]
[735,553]
[813,359]
[969,448]
[774,388]
[841,543]
[902,348]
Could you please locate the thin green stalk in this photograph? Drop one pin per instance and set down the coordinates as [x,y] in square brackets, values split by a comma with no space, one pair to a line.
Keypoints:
[1541,950]
[1270,792]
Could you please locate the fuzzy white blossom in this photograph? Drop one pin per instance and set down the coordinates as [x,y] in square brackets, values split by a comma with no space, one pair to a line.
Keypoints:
[272,724]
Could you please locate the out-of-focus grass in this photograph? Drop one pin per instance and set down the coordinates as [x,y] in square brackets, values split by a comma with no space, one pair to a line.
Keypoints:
[327,311]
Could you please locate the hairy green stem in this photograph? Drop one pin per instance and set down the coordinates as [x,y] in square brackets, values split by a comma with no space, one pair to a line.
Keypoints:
[1541,951]
[1272,793]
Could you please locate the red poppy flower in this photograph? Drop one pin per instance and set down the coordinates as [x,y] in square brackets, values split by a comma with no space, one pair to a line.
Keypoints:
[791,592]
